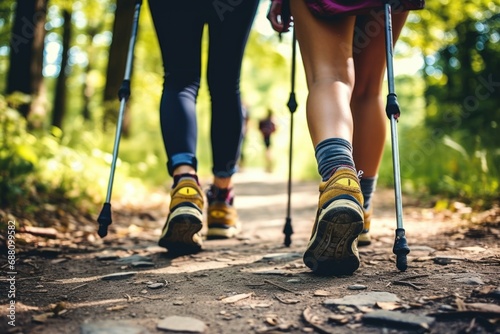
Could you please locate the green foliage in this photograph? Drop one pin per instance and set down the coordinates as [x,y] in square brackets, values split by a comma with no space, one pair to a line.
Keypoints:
[462,111]
[433,28]
[42,168]
[463,84]
[437,162]
[17,159]
[6,7]
[5,24]
[441,166]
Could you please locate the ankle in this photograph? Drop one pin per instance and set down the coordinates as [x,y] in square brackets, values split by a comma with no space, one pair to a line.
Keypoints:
[352,168]
[216,194]
[222,182]
[180,177]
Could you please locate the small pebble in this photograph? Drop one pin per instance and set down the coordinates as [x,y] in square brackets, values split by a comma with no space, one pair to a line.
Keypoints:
[357,287]
[156,285]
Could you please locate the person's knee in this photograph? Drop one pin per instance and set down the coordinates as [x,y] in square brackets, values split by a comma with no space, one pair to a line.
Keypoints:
[368,83]
[333,81]
[223,84]
[181,79]
[366,92]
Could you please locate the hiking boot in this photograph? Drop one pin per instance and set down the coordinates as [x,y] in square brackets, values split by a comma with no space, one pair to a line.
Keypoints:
[180,233]
[222,218]
[332,249]
[364,238]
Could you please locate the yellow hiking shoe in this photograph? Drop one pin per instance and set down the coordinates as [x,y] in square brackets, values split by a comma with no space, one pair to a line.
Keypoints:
[332,249]
[180,233]
[222,218]
[364,238]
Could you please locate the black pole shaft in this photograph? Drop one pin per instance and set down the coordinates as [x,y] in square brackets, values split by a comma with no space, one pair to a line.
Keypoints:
[292,106]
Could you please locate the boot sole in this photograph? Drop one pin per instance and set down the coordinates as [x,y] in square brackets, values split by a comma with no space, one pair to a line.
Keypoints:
[364,239]
[179,235]
[330,251]
[215,233]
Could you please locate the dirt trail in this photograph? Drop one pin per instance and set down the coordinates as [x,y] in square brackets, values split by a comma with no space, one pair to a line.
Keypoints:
[254,284]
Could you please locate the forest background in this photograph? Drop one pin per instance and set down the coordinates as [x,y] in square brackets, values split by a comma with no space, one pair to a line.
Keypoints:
[62,63]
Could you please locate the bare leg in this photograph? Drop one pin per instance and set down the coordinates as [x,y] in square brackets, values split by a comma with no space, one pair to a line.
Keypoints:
[329,67]
[223,182]
[367,103]
[326,48]
[184,169]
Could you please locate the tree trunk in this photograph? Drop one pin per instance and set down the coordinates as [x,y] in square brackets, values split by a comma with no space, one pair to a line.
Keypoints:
[122,29]
[26,58]
[88,91]
[60,96]
[23,32]
[88,86]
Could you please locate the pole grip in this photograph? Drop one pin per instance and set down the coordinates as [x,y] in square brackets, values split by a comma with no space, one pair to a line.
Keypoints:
[124,91]
[292,103]
[392,106]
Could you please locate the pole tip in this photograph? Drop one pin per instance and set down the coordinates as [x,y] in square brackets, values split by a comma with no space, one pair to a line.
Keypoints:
[288,240]
[401,249]
[288,231]
[104,220]
[401,262]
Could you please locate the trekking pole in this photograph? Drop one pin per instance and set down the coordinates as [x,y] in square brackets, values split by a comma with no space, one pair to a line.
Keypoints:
[292,106]
[392,110]
[104,219]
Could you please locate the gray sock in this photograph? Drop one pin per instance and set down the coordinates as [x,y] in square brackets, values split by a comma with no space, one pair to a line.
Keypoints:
[368,186]
[331,154]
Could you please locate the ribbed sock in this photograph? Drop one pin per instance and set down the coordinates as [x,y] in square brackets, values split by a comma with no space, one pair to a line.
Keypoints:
[368,186]
[331,154]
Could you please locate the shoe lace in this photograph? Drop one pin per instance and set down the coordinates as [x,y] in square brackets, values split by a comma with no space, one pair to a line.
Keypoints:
[360,174]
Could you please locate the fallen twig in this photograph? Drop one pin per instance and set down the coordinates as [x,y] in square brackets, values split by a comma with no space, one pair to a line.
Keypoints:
[407,284]
[78,287]
[279,286]
[236,298]
[155,297]
[415,276]
[255,284]
[285,301]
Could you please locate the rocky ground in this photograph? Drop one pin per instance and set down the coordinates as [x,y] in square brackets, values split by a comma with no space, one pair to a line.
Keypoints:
[71,281]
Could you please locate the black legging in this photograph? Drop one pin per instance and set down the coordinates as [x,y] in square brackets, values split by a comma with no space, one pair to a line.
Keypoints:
[179,26]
